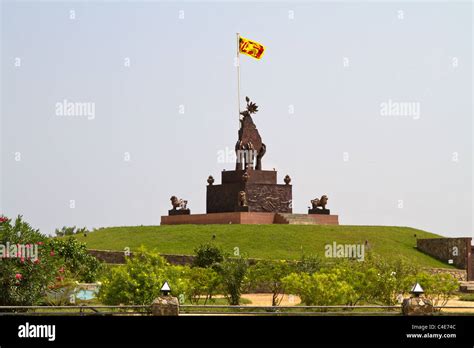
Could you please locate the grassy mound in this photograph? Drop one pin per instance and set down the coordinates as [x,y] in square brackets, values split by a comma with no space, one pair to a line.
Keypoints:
[265,241]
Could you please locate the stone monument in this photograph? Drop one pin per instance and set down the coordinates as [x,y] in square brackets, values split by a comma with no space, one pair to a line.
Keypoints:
[249,188]
[317,203]
[249,194]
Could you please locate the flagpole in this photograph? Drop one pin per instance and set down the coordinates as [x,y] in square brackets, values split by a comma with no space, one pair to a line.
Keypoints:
[238,75]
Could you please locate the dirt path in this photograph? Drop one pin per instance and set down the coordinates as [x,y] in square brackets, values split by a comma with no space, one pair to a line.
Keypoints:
[266,300]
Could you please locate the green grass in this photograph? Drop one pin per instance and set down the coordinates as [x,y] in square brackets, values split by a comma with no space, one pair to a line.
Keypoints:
[265,241]
[466,297]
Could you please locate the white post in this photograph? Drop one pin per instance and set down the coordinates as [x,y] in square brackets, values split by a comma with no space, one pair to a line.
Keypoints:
[238,75]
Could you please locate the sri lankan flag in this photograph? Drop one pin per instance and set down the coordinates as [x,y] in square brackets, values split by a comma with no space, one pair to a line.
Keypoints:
[251,48]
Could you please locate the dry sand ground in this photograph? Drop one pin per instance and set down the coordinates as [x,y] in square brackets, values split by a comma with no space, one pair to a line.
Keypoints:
[266,300]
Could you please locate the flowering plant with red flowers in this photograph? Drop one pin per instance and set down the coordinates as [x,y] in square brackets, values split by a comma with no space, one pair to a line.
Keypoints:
[26,269]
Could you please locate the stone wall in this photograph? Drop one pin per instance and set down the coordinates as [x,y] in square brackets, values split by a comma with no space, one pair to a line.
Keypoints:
[118,257]
[459,274]
[444,249]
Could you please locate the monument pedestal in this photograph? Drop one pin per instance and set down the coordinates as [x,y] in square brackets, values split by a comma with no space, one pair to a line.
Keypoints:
[417,306]
[173,212]
[319,211]
[262,193]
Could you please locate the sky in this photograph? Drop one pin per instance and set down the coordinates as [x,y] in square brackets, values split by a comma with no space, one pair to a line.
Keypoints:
[367,102]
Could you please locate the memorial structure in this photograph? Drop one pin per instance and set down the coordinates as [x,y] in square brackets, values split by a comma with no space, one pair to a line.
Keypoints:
[249,194]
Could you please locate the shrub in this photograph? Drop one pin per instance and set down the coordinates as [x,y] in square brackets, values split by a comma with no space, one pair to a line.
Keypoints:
[207,255]
[83,266]
[319,289]
[25,281]
[139,281]
[375,280]
[232,274]
[438,288]
[309,264]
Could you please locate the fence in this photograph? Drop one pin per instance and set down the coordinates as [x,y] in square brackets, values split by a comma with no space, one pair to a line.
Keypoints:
[82,310]
[198,310]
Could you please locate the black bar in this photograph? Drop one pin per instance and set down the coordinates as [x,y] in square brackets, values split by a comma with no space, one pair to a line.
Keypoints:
[242,330]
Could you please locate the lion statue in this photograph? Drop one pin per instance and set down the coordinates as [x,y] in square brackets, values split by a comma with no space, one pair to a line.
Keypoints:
[178,203]
[242,199]
[320,202]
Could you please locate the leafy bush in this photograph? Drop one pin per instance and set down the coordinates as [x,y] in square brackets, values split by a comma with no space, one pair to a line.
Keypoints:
[207,255]
[320,289]
[232,275]
[139,281]
[375,280]
[82,266]
[309,264]
[23,280]
[438,288]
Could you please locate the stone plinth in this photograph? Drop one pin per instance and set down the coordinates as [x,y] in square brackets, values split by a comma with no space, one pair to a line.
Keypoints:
[248,218]
[179,212]
[260,186]
[220,218]
[417,306]
[319,211]
[165,306]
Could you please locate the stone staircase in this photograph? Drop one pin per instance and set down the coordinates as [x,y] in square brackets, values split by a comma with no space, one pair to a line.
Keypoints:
[467,287]
[294,219]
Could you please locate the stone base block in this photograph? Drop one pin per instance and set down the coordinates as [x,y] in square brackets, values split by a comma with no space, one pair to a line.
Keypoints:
[165,306]
[319,211]
[250,218]
[417,306]
[173,212]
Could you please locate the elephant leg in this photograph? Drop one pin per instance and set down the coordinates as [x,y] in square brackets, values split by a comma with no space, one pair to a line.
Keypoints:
[259,157]
[238,156]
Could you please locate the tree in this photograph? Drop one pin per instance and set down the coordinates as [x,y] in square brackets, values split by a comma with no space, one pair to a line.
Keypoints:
[207,255]
[232,274]
[202,282]
[270,274]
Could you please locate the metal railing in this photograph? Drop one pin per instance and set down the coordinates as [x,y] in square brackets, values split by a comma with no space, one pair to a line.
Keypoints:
[289,310]
[81,310]
[189,310]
